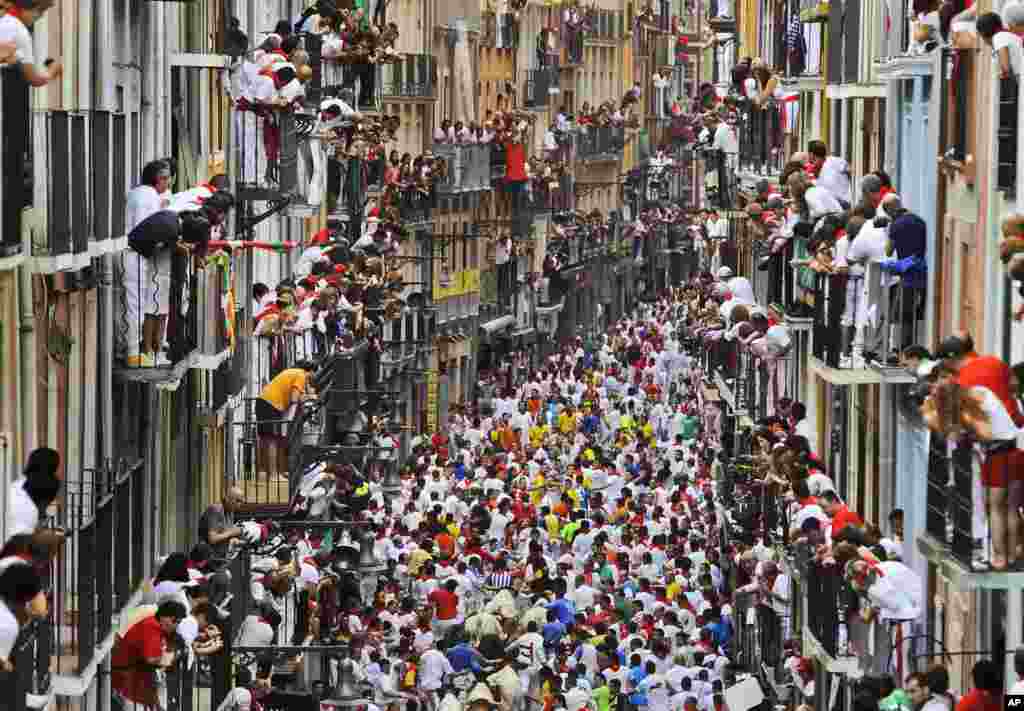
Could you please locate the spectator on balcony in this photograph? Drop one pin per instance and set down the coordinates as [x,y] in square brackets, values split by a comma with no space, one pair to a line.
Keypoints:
[21,597]
[142,201]
[30,495]
[921,695]
[833,173]
[14,30]
[1006,46]
[839,512]
[954,410]
[217,526]
[812,201]
[289,388]
[144,646]
[985,696]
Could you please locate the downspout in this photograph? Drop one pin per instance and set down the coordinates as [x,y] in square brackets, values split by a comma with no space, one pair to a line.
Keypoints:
[24,353]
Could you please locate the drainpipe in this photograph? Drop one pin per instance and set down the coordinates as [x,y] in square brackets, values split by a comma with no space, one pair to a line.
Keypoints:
[24,352]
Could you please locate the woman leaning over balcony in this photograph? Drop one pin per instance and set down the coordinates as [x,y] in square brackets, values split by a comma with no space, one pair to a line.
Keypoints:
[977,412]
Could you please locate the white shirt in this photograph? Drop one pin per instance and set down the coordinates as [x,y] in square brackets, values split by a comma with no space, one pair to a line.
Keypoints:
[725,139]
[13,30]
[1014,47]
[8,631]
[820,202]
[433,668]
[819,483]
[22,514]
[834,176]
[142,201]
[869,244]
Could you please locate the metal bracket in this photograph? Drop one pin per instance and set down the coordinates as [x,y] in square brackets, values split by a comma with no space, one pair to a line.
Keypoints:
[275,207]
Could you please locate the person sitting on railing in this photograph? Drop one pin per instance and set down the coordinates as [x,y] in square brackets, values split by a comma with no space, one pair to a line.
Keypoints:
[833,173]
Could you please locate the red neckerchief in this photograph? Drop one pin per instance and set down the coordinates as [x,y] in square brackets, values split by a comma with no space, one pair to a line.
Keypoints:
[265,621]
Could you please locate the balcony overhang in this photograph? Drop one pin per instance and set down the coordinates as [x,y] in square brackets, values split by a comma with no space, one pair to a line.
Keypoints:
[855,91]
[962,577]
[806,83]
[918,65]
[844,376]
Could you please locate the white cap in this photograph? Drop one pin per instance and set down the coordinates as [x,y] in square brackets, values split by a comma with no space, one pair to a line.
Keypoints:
[724,272]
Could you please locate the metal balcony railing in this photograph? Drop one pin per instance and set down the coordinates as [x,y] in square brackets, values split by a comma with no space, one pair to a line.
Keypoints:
[102,564]
[1007,134]
[539,82]
[415,77]
[17,160]
[553,199]
[898,320]
[827,605]
[951,513]
[761,136]
[31,660]
[414,205]
[179,290]
[213,284]
[759,637]
[266,150]
[601,143]
[469,167]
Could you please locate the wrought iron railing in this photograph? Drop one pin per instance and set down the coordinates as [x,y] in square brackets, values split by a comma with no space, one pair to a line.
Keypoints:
[827,606]
[174,292]
[761,137]
[1007,134]
[539,83]
[415,77]
[468,167]
[29,680]
[950,504]
[266,150]
[600,143]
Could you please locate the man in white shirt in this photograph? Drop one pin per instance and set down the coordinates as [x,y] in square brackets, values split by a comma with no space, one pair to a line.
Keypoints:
[1007,49]
[833,173]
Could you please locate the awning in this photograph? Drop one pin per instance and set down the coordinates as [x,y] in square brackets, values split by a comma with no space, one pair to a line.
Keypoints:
[498,324]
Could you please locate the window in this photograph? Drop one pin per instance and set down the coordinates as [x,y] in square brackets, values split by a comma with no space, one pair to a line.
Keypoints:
[1007,133]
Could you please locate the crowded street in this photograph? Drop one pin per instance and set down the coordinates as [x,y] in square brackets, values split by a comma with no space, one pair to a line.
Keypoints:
[512,355]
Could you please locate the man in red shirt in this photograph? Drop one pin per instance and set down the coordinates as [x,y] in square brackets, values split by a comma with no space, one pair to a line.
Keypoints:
[143,648]
[987,692]
[839,512]
[446,608]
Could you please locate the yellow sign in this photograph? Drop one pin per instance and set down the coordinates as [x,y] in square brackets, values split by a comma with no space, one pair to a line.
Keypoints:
[471,281]
[432,401]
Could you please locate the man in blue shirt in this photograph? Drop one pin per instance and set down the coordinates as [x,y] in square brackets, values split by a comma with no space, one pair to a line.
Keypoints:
[464,656]
[553,631]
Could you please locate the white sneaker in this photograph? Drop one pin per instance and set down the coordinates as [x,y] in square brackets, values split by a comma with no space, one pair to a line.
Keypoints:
[162,361]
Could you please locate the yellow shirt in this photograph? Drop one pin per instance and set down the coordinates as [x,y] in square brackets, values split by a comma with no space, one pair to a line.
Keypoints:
[537,489]
[278,392]
[566,423]
[553,525]
[673,589]
[416,560]
[537,434]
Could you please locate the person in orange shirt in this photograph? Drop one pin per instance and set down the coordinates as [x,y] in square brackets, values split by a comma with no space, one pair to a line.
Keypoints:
[288,388]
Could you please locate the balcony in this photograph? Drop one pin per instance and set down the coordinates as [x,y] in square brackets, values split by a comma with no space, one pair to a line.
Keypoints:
[415,77]
[179,293]
[553,196]
[469,167]
[604,26]
[213,285]
[266,151]
[414,206]
[367,84]
[895,320]
[600,143]
[950,518]
[501,31]
[539,83]
[761,136]
[349,183]
[828,603]
[760,633]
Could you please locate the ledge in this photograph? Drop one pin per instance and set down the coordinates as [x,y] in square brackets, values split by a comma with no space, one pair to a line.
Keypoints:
[164,378]
[908,65]
[860,90]
[203,361]
[959,574]
[62,263]
[844,376]
[12,262]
